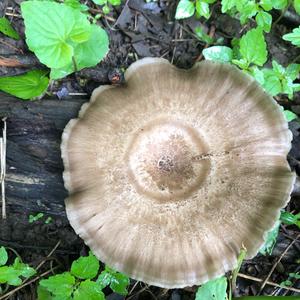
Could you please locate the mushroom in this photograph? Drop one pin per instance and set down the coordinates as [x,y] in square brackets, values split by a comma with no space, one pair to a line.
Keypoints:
[171,173]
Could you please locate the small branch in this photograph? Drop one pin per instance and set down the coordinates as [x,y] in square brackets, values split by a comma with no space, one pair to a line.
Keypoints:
[9,63]
[3,167]
[268,283]
[277,262]
[50,253]
[282,13]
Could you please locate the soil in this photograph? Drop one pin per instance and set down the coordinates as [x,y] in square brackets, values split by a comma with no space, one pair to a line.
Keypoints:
[34,168]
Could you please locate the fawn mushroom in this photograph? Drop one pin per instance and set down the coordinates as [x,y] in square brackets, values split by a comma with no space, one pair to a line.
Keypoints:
[172,172]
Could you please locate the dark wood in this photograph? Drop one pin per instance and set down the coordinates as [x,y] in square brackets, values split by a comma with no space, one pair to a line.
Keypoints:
[34,166]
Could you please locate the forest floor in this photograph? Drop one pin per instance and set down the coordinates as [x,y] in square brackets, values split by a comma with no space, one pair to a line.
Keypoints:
[136,29]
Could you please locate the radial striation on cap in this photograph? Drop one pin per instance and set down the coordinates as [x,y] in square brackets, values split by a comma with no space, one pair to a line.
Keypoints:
[171,173]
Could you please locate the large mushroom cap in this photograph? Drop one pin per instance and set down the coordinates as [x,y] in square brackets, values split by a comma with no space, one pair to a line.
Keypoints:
[170,174]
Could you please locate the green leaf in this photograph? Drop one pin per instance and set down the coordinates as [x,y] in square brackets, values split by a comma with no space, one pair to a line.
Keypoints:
[9,275]
[289,115]
[60,285]
[86,54]
[23,269]
[242,63]
[86,267]
[26,86]
[293,37]
[88,290]
[202,8]
[52,29]
[185,9]
[272,83]
[203,36]
[213,290]
[35,218]
[270,240]
[7,29]
[297,6]
[218,53]
[100,2]
[289,218]
[253,47]
[288,87]
[286,283]
[279,4]
[249,9]
[292,71]
[119,283]
[266,4]
[104,279]
[43,294]
[3,256]
[115,2]
[76,5]
[278,69]
[257,74]
[264,20]
[227,5]
[295,275]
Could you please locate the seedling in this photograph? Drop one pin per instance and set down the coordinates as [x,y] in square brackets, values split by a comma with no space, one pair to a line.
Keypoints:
[82,281]
[15,273]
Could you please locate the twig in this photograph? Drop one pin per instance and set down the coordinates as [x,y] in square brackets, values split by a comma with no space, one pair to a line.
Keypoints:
[3,167]
[267,282]
[50,253]
[132,289]
[282,13]
[211,34]
[5,296]
[277,262]
[10,62]
[13,15]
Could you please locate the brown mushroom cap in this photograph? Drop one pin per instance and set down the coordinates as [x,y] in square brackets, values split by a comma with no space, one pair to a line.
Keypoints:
[171,173]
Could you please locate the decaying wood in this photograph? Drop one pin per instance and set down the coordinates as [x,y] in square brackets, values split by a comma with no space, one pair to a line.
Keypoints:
[34,166]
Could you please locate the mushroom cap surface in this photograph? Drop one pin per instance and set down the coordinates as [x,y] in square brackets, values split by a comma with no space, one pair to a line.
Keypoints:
[171,173]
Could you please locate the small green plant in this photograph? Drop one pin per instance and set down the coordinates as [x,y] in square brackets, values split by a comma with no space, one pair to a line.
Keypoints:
[35,218]
[106,4]
[249,53]
[289,282]
[62,37]
[39,216]
[15,273]
[187,8]
[82,282]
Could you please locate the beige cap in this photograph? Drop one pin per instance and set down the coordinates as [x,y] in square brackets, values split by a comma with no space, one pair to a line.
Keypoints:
[172,172]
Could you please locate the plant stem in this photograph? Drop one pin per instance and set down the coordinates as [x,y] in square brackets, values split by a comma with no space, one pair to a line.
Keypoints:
[74,64]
